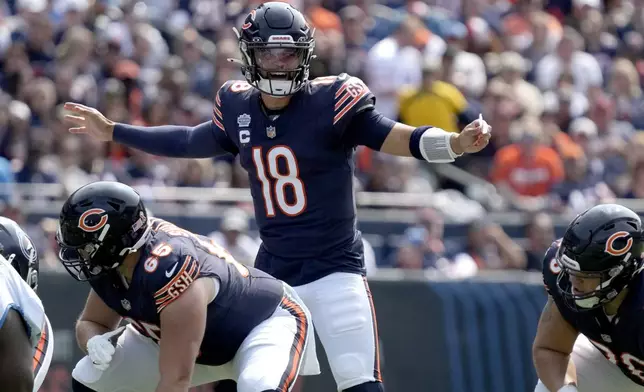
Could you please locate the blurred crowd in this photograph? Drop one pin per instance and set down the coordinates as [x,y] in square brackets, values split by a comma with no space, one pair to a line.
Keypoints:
[560,81]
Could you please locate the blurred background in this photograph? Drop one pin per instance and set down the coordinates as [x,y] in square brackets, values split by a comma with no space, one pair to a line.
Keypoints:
[452,250]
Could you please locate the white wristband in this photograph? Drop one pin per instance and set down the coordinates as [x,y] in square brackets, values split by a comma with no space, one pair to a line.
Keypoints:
[568,388]
[435,146]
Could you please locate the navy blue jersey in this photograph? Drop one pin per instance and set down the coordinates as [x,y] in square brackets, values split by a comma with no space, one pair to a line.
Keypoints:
[170,261]
[300,165]
[621,339]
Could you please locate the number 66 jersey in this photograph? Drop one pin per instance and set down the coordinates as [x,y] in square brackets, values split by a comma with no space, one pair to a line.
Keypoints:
[619,338]
[300,167]
[171,259]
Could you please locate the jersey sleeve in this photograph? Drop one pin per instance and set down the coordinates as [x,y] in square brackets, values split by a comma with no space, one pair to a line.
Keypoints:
[218,120]
[17,295]
[173,267]
[351,96]
[355,117]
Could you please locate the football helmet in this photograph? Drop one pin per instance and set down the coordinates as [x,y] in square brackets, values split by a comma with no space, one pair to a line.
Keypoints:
[603,242]
[276,44]
[100,224]
[19,250]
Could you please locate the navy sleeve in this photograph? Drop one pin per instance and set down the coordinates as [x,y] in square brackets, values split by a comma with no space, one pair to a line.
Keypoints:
[202,141]
[368,128]
[351,96]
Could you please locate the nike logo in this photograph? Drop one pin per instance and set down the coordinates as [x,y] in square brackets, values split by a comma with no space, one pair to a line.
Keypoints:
[169,272]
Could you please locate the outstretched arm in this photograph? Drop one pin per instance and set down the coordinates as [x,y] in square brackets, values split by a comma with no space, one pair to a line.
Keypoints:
[372,129]
[174,141]
[360,123]
[202,141]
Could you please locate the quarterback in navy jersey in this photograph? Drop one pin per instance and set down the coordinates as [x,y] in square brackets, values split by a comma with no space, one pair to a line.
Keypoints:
[590,336]
[296,138]
[195,314]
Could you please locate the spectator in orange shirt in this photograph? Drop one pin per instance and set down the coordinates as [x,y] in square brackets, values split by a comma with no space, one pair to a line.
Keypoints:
[527,170]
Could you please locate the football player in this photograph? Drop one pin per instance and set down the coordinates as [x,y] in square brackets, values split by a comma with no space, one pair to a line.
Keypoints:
[195,314]
[591,332]
[296,139]
[26,340]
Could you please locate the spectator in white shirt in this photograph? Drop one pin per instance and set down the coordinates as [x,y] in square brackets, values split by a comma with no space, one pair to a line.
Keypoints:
[392,63]
[569,59]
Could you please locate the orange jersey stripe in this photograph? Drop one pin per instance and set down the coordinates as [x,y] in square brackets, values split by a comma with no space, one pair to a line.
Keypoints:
[170,292]
[348,96]
[41,348]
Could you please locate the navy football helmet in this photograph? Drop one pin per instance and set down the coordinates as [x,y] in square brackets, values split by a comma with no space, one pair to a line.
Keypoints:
[19,250]
[100,224]
[603,242]
[276,44]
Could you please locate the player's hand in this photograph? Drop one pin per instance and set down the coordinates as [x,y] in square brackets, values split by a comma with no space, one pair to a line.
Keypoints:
[101,349]
[89,120]
[474,137]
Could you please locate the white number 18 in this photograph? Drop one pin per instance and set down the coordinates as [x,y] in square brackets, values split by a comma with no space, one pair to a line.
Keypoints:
[279,181]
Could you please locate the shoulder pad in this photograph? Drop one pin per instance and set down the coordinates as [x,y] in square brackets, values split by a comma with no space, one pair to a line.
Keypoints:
[234,87]
[172,267]
[227,94]
[16,294]
[551,269]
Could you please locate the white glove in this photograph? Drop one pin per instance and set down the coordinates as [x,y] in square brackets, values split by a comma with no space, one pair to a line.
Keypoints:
[100,349]
[568,388]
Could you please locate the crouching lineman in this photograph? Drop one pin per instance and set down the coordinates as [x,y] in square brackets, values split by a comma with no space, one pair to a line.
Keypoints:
[590,336]
[196,315]
[26,340]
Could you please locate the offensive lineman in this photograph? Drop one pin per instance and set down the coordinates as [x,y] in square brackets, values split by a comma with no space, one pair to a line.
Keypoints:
[590,336]
[196,315]
[26,340]
[296,139]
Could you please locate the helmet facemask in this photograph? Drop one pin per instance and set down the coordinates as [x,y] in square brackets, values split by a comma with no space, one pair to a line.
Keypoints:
[279,67]
[612,281]
[89,260]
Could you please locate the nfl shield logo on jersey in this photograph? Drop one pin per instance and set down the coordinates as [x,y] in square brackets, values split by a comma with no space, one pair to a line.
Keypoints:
[271,131]
[126,304]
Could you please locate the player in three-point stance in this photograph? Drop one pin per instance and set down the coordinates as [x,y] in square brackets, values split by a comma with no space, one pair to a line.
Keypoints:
[196,315]
[590,336]
[296,139]
[26,340]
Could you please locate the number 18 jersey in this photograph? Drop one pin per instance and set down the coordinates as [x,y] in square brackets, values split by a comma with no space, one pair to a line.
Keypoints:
[300,167]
